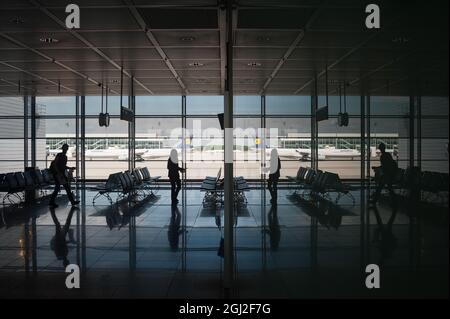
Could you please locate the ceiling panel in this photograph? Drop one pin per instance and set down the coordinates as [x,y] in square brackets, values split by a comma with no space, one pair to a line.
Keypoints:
[264,38]
[187,38]
[413,45]
[27,20]
[117,39]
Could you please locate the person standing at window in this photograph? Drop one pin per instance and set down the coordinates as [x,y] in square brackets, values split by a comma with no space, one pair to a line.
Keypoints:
[274,175]
[174,175]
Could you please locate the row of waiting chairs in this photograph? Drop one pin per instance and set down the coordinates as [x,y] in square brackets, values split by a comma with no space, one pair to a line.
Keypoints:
[427,183]
[316,182]
[15,184]
[127,184]
[214,192]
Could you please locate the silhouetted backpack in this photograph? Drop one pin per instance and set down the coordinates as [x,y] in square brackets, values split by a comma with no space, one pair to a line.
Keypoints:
[52,167]
[391,166]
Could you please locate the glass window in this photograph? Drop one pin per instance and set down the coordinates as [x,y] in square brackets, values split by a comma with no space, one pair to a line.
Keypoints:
[434,105]
[93,104]
[389,105]
[158,105]
[336,104]
[56,105]
[11,106]
[247,105]
[288,105]
[204,105]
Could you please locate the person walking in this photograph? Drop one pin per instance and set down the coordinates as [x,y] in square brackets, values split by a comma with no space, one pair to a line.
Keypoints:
[58,168]
[388,170]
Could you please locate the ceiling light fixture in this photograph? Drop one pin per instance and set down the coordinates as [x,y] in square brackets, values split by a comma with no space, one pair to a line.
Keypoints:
[196,64]
[187,39]
[17,20]
[49,40]
[254,64]
[263,38]
[400,40]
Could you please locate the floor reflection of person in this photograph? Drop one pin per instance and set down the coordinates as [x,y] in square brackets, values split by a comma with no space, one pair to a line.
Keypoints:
[274,227]
[58,168]
[59,242]
[384,235]
[173,233]
[274,175]
[174,175]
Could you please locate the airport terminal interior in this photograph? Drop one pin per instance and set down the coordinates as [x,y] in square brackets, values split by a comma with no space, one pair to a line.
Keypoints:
[308,78]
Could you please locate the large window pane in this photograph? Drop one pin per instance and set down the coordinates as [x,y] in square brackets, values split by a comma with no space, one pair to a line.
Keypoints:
[389,105]
[205,154]
[337,104]
[155,137]
[291,136]
[435,134]
[204,105]
[288,105]
[158,105]
[11,106]
[93,104]
[247,105]
[247,152]
[106,149]
[56,105]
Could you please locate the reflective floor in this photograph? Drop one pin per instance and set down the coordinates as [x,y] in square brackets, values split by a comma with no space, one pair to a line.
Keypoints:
[300,248]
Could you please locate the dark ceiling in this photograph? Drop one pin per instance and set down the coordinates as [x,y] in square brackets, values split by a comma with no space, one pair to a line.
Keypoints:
[279,46]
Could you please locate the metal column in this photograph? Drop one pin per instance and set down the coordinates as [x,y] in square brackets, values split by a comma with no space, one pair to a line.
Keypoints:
[363,188]
[412,138]
[228,154]
[33,131]
[314,165]
[83,138]
[184,184]
[131,128]
[262,149]
[25,131]
[365,177]
[314,126]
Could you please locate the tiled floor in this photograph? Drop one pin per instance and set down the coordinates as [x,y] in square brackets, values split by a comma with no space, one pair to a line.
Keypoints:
[297,249]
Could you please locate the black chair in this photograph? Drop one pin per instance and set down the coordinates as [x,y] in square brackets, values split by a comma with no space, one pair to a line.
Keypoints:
[125,186]
[110,186]
[48,177]
[150,183]
[211,188]
[240,187]
[335,184]
[3,184]
[16,187]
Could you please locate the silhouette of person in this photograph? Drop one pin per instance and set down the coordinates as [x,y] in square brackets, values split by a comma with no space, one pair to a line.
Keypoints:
[274,175]
[59,243]
[387,174]
[384,235]
[174,175]
[173,233]
[58,168]
[274,227]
